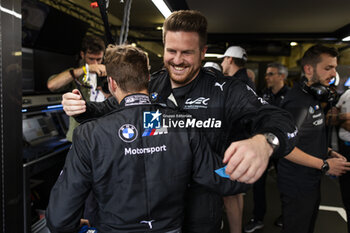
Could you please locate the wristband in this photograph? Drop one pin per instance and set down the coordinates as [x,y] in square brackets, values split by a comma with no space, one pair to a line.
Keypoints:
[86,72]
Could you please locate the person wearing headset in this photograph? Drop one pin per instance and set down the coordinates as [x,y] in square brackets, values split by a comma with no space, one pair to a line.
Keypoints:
[299,173]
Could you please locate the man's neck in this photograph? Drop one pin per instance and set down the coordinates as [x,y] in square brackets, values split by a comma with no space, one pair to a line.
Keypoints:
[309,81]
[275,89]
[120,96]
[234,70]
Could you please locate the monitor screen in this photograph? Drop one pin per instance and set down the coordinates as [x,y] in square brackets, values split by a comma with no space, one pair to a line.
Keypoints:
[36,128]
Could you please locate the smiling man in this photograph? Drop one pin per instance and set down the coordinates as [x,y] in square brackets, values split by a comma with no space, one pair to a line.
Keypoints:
[249,130]
[300,184]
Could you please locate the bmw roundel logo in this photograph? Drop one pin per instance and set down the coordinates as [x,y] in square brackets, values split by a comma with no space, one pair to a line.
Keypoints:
[128,133]
[154,95]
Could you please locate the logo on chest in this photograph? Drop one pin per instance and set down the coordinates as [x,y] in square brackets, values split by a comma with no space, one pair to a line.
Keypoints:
[200,102]
[317,115]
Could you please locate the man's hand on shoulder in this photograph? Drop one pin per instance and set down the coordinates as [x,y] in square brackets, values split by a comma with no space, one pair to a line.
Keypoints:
[73,104]
[247,159]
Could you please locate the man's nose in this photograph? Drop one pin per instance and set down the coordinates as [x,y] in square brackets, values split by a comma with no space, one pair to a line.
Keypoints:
[94,61]
[334,72]
[178,58]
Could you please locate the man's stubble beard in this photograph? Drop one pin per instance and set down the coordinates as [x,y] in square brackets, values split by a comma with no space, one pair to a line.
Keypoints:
[185,80]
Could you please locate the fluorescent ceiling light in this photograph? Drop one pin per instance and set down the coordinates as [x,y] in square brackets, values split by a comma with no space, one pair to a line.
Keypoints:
[346,38]
[162,7]
[213,55]
[293,43]
[17,15]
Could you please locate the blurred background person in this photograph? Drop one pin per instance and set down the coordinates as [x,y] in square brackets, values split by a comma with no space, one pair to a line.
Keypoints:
[342,119]
[84,77]
[233,64]
[251,75]
[300,172]
[275,77]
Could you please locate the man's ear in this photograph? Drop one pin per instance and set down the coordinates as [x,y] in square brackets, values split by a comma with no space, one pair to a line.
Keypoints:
[203,51]
[112,85]
[230,60]
[82,55]
[308,70]
[283,76]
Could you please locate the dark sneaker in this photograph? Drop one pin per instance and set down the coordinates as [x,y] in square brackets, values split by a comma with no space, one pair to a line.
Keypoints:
[253,225]
[278,222]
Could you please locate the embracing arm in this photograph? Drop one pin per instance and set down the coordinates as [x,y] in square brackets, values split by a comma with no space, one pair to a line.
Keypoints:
[74,105]
[247,159]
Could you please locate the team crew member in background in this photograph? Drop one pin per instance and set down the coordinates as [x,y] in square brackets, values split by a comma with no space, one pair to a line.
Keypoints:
[251,75]
[213,66]
[92,50]
[300,184]
[233,64]
[126,170]
[342,113]
[206,95]
[275,76]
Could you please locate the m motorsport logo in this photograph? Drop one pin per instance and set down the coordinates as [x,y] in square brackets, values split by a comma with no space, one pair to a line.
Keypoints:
[152,124]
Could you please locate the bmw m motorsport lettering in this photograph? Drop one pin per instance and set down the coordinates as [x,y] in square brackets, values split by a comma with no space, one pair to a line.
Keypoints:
[146,150]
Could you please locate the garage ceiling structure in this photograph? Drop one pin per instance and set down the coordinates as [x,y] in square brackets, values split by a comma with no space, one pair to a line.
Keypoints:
[252,24]
[263,28]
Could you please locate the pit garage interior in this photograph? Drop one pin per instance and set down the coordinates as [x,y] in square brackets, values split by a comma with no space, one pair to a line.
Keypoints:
[42,37]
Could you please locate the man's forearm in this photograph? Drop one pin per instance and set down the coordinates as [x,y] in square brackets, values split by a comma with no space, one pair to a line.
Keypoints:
[63,79]
[299,157]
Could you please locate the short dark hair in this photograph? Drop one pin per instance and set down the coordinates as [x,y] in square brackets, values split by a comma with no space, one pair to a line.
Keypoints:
[187,21]
[128,66]
[281,68]
[92,44]
[239,61]
[313,55]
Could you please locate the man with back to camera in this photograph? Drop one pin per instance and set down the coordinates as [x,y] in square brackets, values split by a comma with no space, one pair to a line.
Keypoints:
[300,184]
[126,172]
[233,64]
[208,96]
[275,77]
[92,50]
